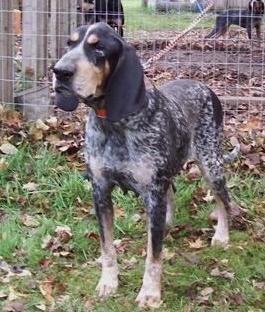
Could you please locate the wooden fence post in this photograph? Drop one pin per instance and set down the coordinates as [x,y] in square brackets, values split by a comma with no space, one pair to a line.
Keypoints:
[6,52]
[63,21]
[35,54]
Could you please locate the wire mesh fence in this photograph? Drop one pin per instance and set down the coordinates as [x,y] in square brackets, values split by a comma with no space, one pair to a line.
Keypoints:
[33,34]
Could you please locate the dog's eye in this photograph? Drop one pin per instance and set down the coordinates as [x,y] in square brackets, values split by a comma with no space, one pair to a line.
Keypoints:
[69,42]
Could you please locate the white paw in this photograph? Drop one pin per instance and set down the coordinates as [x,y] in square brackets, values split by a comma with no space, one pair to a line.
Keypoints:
[221,241]
[149,297]
[106,288]
[108,282]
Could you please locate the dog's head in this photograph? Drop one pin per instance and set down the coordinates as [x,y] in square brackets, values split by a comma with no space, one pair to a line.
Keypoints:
[87,6]
[99,64]
[256,7]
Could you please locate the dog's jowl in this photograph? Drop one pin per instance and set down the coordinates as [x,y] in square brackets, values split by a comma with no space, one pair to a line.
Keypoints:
[138,139]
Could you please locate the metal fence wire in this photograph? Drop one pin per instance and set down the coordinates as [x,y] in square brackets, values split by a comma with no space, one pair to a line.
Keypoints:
[33,34]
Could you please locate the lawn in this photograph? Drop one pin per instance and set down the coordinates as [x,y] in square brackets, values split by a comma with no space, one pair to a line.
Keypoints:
[139,18]
[49,238]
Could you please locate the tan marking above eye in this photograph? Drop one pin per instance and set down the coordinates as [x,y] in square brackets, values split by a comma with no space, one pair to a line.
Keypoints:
[74,36]
[92,39]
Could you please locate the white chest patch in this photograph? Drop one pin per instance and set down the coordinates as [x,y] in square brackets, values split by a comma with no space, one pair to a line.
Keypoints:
[142,170]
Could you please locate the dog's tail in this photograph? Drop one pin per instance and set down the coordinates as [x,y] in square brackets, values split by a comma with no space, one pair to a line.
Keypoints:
[231,156]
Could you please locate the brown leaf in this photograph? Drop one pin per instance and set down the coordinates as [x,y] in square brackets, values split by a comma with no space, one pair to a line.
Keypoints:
[59,243]
[3,164]
[29,221]
[45,263]
[194,173]
[258,285]
[119,211]
[92,235]
[121,244]
[41,125]
[206,292]
[46,290]
[198,244]
[63,233]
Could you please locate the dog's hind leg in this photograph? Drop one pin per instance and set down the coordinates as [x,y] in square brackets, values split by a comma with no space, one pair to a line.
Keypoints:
[211,165]
[208,153]
[109,275]
[150,293]
[212,33]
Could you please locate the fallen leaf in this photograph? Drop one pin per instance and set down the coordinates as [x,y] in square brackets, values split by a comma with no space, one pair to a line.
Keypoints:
[194,173]
[41,125]
[52,121]
[46,290]
[258,285]
[198,244]
[13,307]
[136,218]
[119,211]
[3,294]
[121,244]
[41,306]
[92,235]
[45,263]
[168,255]
[8,149]
[3,164]
[225,274]
[30,187]
[130,263]
[207,291]
[29,221]
[64,233]
[209,197]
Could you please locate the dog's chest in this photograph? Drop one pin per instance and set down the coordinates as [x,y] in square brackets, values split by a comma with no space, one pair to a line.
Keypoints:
[118,157]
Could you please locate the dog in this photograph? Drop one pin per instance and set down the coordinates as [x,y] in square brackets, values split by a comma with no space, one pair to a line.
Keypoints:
[109,11]
[249,19]
[139,139]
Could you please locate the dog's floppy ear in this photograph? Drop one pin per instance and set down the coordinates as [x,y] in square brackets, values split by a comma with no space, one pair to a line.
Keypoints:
[125,90]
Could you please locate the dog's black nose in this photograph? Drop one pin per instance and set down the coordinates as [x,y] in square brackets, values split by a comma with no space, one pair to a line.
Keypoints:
[62,73]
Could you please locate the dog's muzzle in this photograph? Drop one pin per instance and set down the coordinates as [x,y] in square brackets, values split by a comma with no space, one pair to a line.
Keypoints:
[65,98]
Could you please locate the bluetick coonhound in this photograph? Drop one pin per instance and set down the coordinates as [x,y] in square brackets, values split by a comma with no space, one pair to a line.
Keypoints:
[249,19]
[139,139]
[109,11]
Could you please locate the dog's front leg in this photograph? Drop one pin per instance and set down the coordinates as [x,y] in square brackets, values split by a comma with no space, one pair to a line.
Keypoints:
[108,282]
[258,30]
[150,293]
[249,31]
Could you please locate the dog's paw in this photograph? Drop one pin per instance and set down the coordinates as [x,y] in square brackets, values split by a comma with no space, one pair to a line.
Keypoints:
[221,241]
[106,287]
[149,298]
[108,282]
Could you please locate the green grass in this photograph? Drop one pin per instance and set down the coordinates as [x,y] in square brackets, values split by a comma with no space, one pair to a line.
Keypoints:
[140,18]
[63,198]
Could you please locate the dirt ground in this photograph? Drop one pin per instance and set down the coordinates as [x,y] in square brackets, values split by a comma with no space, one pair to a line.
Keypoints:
[231,67]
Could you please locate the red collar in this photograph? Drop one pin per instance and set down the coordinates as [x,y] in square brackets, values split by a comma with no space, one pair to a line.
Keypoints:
[101,112]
